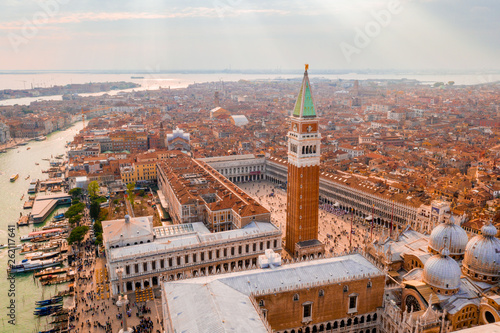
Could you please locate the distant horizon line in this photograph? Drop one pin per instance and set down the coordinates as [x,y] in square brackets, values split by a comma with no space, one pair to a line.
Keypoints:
[254,71]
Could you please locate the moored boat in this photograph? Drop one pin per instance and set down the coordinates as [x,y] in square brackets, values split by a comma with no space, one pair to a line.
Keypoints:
[27,265]
[51,271]
[52,300]
[42,255]
[44,234]
[58,217]
[14,177]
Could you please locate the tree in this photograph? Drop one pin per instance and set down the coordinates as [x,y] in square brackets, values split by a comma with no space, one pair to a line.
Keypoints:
[74,210]
[450,83]
[75,193]
[98,239]
[131,193]
[98,227]
[75,219]
[95,209]
[93,189]
[438,84]
[77,234]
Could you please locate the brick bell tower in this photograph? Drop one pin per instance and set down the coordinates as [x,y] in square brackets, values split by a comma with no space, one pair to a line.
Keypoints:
[304,142]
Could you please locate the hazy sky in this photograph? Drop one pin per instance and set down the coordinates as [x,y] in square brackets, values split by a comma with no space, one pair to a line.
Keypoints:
[154,35]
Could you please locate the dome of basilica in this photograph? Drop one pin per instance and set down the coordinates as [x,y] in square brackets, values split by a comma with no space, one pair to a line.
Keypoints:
[482,255]
[442,273]
[454,234]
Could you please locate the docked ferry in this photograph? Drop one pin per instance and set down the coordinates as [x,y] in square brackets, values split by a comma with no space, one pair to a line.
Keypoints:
[27,265]
[13,178]
[42,234]
[42,255]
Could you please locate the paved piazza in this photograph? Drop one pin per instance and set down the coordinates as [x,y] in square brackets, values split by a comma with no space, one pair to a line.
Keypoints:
[333,228]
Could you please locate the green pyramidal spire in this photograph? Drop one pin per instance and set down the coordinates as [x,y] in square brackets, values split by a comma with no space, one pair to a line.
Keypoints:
[304,106]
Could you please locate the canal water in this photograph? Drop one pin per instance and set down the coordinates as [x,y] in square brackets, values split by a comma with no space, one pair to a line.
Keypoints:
[22,160]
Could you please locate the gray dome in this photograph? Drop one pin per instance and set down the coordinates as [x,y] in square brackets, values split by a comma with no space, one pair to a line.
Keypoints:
[442,272]
[482,254]
[455,237]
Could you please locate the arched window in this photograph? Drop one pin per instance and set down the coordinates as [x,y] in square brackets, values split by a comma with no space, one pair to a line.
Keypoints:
[296,297]
[368,318]
[369,284]
[261,302]
[374,317]
[321,293]
[346,289]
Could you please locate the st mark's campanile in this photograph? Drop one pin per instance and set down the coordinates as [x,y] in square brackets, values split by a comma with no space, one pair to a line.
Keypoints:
[303,177]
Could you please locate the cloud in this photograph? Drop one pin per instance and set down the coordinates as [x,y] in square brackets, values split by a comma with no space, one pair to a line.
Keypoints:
[119,16]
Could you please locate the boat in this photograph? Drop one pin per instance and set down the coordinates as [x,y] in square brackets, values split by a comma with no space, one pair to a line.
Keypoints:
[14,177]
[47,310]
[23,220]
[137,77]
[51,271]
[3,246]
[36,163]
[27,265]
[28,148]
[48,238]
[22,197]
[32,236]
[41,255]
[40,138]
[58,279]
[58,217]
[29,248]
[28,177]
[52,300]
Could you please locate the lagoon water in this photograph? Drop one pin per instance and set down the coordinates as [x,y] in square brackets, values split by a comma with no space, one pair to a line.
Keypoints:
[153,80]
[21,160]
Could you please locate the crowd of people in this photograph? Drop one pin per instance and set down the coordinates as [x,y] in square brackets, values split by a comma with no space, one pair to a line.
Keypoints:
[334,223]
[92,313]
